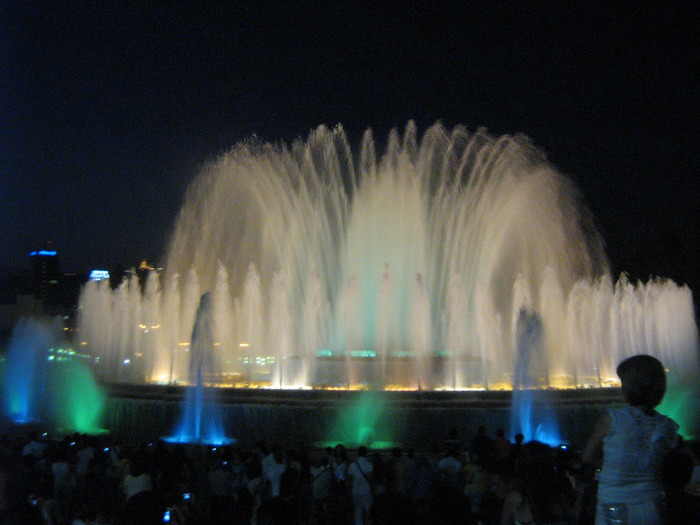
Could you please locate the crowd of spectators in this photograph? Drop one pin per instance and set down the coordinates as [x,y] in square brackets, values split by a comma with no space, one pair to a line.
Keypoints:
[90,480]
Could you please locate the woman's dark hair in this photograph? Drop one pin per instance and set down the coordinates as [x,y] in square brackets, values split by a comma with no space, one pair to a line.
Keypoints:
[643,380]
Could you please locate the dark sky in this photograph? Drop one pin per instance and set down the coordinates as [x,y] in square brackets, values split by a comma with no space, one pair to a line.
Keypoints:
[108,108]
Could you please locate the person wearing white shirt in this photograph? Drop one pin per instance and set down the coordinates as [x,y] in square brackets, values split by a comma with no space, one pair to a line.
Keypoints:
[360,478]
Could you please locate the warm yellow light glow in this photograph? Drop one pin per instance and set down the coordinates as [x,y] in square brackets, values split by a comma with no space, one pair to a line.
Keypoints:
[244,345]
[145,266]
[162,379]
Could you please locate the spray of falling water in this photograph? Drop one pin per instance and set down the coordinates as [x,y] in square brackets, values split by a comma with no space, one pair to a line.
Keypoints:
[313,252]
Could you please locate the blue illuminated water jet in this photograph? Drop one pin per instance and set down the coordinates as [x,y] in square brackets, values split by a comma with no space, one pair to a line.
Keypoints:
[26,369]
[202,420]
[530,416]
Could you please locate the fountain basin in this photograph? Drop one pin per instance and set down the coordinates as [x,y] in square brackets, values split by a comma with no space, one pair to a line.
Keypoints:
[415,419]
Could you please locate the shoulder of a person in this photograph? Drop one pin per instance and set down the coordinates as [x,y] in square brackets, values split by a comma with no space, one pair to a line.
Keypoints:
[671,425]
[617,411]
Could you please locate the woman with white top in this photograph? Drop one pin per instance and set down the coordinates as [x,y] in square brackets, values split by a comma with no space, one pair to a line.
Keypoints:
[635,439]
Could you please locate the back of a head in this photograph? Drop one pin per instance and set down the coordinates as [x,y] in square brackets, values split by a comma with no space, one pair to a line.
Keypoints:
[537,457]
[643,380]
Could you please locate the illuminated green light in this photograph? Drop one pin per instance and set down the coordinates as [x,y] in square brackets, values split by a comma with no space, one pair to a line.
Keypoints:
[365,422]
[681,404]
[78,402]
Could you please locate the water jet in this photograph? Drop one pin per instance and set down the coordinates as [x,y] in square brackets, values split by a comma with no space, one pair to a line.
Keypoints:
[46,383]
[201,420]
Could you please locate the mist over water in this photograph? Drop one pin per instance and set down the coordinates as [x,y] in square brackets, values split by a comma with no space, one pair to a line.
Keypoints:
[407,268]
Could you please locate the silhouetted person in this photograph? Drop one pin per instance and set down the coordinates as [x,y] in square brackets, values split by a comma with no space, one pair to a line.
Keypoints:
[481,445]
[542,494]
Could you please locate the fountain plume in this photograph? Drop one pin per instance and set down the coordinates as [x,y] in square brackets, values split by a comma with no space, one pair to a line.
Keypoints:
[201,420]
[313,253]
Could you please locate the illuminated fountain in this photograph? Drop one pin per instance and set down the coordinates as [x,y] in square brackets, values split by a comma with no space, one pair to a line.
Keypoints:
[531,416]
[47,384]
[407,270]
[363,421]
[76,402]
[202,420]
[26,369]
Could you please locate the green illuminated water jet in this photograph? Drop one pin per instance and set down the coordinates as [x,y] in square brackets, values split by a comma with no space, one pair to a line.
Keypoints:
[682,404]
[365,421]
[77,402]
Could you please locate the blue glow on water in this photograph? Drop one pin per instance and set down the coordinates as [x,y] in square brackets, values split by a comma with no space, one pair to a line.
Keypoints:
[45,253]
[24,377]
[201,420]
[531,416]
[533,419]
[202,417]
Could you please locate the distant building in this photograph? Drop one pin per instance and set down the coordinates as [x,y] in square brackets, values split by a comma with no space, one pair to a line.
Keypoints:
[46,278]
[143,271]
[16,299]
[99,275]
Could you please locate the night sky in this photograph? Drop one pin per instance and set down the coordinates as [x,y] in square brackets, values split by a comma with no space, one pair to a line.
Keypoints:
[107,109]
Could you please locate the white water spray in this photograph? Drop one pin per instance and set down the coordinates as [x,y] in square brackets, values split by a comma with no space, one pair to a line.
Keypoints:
[408,270]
